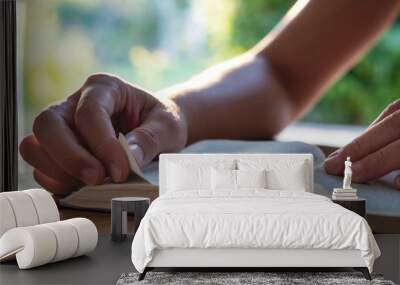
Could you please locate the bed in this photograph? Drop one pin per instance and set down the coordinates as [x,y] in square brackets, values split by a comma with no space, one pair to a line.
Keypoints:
[247,211]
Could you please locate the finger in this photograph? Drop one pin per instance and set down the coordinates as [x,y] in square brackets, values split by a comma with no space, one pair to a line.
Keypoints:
[390,178]
[333,153]
[129,152]
[375,138]
[53,132]
[144,143]
[93,121]
[159,133]
[390,109]
[51,184]
[378,163]
[34,154]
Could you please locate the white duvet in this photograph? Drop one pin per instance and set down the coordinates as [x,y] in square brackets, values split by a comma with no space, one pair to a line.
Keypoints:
[250,219]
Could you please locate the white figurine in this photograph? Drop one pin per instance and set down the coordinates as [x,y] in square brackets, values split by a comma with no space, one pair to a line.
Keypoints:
[347,174]
[347,192]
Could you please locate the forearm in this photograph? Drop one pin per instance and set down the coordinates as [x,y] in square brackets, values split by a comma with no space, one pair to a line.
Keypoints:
[239,99]
[257,94]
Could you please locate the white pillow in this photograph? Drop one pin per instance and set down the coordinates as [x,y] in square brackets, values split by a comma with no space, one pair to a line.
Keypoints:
[251,178]
[185,175]
[287,175]
[293,179]
[223,179]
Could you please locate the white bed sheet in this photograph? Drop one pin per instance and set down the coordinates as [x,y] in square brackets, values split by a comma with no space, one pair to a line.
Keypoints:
[250,219]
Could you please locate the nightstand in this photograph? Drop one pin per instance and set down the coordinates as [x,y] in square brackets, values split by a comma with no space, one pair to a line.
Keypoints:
[357,206]
[120,208]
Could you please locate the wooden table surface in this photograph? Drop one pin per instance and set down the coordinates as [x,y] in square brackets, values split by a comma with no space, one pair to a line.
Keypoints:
[100,219]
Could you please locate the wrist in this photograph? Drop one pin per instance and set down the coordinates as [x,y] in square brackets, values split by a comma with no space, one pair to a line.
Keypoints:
[175,123]
[193,114]
[178,97]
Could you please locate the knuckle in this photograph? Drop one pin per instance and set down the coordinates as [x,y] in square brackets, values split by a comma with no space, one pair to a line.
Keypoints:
[43,119]
[393,120]
[97,77]
[394,106]
[379,160]
[354,148]
[25,147]
[102,79]
[86,109]
[104,82]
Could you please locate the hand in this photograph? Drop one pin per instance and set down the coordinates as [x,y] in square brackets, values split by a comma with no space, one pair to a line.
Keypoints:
[374,153]
[74,142]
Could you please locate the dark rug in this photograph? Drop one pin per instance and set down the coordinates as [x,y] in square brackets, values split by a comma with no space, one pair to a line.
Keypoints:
[229,278]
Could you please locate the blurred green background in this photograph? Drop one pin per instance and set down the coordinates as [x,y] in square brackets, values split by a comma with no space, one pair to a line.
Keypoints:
[156,43]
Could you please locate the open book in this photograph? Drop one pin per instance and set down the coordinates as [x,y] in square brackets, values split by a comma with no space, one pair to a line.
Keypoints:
[381,198]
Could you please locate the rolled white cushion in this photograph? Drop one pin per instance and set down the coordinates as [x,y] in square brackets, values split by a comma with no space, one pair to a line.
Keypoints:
[46,208]
[7,218]
[26,208]
[23,208]
[67,240]
[40,244]
[33,246]
[87,235]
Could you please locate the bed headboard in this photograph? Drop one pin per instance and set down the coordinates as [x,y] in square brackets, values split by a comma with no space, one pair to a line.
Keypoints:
[203,159]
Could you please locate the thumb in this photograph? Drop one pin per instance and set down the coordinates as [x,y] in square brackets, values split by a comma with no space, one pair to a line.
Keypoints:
[161,132]
[145,142]
[133,152]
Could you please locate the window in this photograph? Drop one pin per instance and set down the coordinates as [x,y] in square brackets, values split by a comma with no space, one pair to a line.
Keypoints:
[158,43]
